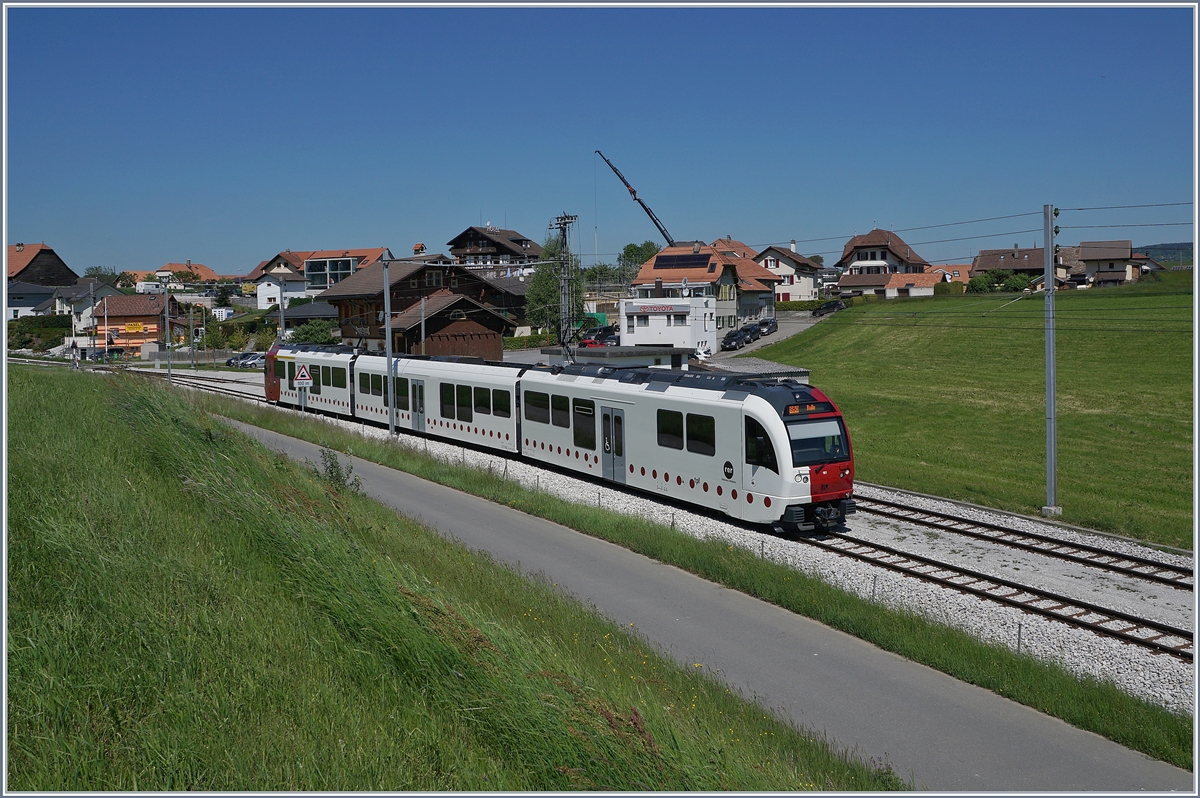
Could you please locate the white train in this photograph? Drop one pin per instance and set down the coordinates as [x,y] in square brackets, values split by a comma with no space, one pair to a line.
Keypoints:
[766,450]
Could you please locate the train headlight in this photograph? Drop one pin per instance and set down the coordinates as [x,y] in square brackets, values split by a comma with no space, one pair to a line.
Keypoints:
[797,477]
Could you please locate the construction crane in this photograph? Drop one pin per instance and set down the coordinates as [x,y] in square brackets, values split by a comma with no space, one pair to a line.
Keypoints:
[645,207]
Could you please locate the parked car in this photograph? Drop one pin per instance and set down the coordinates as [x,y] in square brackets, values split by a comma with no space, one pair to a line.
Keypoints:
[599,333]
[753,333]
[767,326]
[591,343]
[237,360]
[612,340]
[255,360]
[734,339]
[830,307]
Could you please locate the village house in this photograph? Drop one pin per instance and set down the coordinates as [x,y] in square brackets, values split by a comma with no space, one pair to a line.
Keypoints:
[798,275]
[689,294]
[492,246]
[464,312]
[1109,262]
[881,263]
[131,321]
[1029,261]
[317,269]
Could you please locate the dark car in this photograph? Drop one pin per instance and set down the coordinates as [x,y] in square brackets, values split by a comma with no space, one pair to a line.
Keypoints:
[612,340]
[767,326]
[830,307]
[734,339]
[753,333]
[237,360]
[599,333]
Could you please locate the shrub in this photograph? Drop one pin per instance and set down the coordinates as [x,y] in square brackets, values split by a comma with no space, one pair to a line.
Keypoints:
[979,285]
[1016,283]
[949,288]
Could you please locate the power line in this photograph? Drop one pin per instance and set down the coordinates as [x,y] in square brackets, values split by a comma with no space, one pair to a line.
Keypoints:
[1114,207]
[1151,224]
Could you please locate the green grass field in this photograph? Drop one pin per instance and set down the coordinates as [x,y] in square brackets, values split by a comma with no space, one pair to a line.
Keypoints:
[189,611]
[946,395]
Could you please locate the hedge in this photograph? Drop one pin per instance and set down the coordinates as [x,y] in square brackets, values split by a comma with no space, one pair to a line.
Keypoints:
[530,341]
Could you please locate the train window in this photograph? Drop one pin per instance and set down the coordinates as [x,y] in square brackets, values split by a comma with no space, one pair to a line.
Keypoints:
[315,372]
[670,429]
[815,442]
[291,374]
[483,401]
[326,375]
[464,403]
[619,436]
[364,383]
[447,400]
[339,377]
[584,423]
[537,407]
[560,411]
[501,403]
[701,434]
[759,451]
[280,369]
[376,385]
[401,393]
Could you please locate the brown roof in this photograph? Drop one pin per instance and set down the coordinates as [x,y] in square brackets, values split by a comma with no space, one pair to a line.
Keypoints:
[1105,250]
[963,269]
[198,269]
[132,305]
[672,264]
[1016,259]
[506,241]
[19,260]
[884,239]
[435,303]
[889,280]
[793,256]
[368,281]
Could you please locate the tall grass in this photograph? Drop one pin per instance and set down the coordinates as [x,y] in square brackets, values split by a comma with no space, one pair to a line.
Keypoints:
[946,395]
[190,611]
[1099,707]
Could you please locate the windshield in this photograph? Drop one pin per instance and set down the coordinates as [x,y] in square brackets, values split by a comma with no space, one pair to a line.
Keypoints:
[815,442]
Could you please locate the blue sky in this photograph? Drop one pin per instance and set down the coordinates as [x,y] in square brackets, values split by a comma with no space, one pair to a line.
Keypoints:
[224,135]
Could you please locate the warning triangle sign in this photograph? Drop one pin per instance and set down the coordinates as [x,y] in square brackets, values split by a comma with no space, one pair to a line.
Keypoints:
[303,378]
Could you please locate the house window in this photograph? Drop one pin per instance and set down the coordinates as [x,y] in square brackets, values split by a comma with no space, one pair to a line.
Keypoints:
[643,321]
[629,324]
[433,279]
[413,283]
[680,319]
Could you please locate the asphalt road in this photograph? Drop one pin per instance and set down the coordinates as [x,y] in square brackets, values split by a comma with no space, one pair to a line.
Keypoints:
[943,734]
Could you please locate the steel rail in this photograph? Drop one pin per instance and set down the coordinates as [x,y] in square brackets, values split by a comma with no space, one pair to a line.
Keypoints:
[1082,553]
[1061,608]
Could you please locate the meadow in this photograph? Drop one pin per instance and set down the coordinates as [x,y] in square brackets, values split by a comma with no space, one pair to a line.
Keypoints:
[946,395]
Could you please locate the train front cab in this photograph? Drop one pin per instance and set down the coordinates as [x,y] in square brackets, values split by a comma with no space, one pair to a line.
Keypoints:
[813,463]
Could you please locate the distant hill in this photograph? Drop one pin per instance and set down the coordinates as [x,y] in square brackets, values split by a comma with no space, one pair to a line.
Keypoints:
[1162,253]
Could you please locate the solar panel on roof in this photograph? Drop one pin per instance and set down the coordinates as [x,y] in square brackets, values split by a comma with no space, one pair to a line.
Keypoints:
[689,261]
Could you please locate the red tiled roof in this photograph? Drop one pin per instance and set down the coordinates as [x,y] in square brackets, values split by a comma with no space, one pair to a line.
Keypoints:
[198,269]
[753,276]
[963,269]
[889,280]
[885,239]
[17,261]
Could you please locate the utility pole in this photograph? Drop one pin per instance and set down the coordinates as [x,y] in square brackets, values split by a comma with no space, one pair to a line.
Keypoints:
[566,320]
[422,324]
[1052,507]
[387,349]
[167,320]
[191,336]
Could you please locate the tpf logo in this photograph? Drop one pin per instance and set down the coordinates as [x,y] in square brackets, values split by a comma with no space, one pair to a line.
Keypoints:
[728,470]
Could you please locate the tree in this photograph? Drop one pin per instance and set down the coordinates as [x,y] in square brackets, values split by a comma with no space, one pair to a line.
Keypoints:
[223,294]
[317,331]
[1016,283]
[543,299]
[979,285]
[126,280]
[817,259]
[102,273]
[264,338]
[632,257]
[185,277]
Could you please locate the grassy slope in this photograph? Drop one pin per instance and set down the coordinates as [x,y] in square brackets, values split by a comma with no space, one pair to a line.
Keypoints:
[947,396]
[187,611]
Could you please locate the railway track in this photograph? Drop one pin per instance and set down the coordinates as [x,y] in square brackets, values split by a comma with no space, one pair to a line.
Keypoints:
[1176,576]
[1153,635]
[217,385]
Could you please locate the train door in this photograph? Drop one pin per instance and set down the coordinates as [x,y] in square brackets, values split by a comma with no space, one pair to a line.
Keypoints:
[762,466]
[418,404]
[612,433]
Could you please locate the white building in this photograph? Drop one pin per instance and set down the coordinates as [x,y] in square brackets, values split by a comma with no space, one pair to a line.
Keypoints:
[268,290]
[798,274]
[223,314]
[682,322]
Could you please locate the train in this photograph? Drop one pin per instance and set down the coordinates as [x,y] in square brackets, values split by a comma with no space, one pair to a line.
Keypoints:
[763,449]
